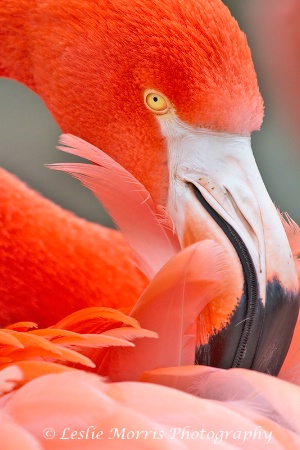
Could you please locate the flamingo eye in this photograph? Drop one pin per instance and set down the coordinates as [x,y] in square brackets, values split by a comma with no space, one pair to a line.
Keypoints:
[156,102]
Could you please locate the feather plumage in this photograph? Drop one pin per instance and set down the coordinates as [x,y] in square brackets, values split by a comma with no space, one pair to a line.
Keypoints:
[132,408]
[39,351]
[149,234]
[169,307]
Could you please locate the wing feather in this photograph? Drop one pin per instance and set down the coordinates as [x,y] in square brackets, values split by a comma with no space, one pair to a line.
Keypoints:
[128,202]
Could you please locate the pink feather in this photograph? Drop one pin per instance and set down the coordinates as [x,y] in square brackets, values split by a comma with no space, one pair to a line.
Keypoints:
[149,235]
[74,402]
[267,401]
[169,306]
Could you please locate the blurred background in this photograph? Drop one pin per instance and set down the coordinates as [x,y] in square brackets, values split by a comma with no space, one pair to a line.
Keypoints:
[28,134]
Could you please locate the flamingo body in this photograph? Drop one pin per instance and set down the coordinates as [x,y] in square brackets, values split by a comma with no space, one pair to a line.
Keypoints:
[167,89]
[186,131]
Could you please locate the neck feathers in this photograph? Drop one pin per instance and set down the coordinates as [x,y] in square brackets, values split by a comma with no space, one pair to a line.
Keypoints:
[15,40]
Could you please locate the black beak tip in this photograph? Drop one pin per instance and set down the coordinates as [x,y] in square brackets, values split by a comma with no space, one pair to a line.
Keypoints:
[268,341]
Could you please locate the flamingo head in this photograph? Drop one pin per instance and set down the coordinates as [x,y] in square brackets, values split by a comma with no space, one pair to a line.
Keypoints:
[168,89]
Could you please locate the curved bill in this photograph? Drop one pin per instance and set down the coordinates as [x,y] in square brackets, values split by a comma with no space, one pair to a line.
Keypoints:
[216,192]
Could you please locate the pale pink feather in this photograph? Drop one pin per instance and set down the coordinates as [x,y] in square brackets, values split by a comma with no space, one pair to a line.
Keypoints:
[9,377]
[73,402]
[127,201]
[169,306]
[14,436]
[257,396]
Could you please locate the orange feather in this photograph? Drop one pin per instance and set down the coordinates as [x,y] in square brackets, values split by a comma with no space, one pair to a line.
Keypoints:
[59,259]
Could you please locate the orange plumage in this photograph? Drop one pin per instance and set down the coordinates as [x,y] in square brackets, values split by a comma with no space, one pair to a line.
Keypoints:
[128,46]
[93,63]
[50,260]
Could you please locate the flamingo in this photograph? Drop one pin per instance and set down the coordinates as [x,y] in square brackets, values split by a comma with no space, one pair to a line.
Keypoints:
[175,129]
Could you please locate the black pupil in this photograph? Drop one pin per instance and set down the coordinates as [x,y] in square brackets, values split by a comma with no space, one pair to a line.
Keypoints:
[155,99]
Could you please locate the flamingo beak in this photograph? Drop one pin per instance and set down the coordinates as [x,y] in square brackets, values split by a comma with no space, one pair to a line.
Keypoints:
[216,192]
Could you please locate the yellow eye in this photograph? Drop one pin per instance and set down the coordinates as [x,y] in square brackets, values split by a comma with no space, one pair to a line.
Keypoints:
[156,102]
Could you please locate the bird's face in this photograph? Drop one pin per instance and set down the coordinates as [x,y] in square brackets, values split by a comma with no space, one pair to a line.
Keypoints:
[168,89]
[94,61]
